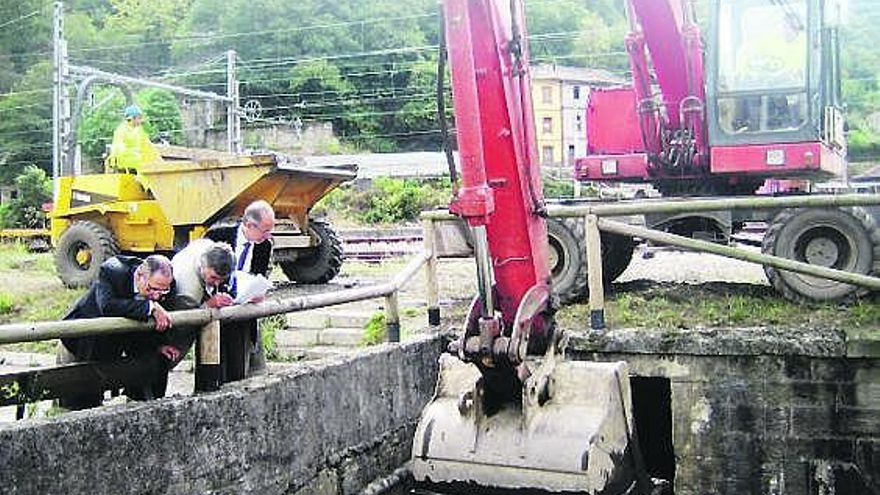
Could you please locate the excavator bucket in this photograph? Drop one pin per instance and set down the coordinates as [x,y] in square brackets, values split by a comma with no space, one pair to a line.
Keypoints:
[572,432]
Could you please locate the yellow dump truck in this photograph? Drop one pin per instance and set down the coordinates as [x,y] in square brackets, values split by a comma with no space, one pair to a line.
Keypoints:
[162,205]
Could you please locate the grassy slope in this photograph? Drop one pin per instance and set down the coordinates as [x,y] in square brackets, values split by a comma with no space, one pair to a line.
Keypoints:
[30,291]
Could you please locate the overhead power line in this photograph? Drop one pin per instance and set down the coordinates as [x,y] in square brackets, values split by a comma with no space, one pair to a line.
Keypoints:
[22,18]
[214,37]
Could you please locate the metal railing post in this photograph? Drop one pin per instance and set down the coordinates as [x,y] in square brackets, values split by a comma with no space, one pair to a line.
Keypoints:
[392,317]
[432,285]
[594,272]
[207,373]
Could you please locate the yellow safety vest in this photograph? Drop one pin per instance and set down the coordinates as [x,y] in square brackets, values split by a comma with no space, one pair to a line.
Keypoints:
[131,148]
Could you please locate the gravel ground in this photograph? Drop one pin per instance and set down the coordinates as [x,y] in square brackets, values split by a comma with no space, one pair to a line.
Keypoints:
[663,265]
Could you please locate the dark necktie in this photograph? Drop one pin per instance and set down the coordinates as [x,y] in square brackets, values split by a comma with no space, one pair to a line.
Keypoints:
[244,255]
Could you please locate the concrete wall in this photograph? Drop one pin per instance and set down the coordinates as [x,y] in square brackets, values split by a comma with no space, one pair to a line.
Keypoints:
[761,410]
[324,428]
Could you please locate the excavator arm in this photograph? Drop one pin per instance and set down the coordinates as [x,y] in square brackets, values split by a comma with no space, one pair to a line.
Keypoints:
[500,195]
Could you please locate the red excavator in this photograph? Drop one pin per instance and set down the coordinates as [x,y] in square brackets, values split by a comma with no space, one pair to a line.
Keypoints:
[761,101]
[509,412]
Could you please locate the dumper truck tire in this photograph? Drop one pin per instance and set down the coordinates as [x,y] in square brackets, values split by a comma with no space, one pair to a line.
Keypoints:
[841,238]
[319,264]
[568,258]
[81,250]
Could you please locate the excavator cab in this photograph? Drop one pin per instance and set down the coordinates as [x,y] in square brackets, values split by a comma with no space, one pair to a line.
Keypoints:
[773,72]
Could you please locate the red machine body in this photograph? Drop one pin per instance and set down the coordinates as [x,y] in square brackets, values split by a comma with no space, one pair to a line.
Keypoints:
[615,108]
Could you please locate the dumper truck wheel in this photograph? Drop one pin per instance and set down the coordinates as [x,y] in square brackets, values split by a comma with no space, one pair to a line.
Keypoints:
[81,250]
[568,258]
[319,264]
[840,238]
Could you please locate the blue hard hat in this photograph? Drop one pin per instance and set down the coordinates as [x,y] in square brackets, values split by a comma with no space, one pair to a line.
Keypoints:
[133,111]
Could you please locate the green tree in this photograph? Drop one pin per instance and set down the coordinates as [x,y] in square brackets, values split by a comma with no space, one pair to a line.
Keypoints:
[26,123]
[162,119]
[34,189]
[25,33]
[153,25]
[861,85]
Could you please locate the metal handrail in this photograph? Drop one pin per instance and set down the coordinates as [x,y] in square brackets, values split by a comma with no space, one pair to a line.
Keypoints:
[592,212]
[35,331]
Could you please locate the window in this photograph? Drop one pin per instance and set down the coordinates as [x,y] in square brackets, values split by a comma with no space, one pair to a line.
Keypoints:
[580,123]
[576,92]
[547,125]
[547,155]
[762,45]
[570,154]
[546,94]
[762,66]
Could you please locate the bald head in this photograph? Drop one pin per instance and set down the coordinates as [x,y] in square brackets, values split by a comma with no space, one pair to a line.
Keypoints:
[258,221]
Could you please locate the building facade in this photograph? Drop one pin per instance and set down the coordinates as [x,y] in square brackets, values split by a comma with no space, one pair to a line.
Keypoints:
[559,96]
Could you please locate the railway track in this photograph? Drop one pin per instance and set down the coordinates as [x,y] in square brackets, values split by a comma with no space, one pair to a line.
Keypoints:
[375,245]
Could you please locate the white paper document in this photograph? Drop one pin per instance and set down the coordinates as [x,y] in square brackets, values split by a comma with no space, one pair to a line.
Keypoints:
[249,286]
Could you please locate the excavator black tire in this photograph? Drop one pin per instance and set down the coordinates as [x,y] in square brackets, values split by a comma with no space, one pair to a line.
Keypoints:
[81,250]
[855,237]
[320,264]
[569,258]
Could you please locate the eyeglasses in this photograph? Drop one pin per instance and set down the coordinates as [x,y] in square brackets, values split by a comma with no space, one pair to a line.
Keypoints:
[157,290]
[263,232]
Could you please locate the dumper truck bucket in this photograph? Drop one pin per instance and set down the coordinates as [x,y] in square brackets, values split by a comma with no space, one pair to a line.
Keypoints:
[196,187]
[572,432]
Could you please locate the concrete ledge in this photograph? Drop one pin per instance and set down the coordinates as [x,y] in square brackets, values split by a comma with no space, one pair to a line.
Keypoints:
[863,343]
[713,341]
[327,427]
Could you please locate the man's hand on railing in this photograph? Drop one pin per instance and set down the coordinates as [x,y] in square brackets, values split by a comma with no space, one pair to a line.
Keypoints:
[163,319]
[220,300]
[170,353]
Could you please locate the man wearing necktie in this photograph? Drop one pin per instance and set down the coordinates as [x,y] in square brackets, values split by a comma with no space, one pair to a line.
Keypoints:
[241,348]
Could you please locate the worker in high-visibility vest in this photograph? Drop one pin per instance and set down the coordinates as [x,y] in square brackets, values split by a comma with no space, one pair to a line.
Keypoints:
[131,145]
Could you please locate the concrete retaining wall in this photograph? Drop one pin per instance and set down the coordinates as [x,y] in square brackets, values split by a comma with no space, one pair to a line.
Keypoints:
[327,428]
[759,410]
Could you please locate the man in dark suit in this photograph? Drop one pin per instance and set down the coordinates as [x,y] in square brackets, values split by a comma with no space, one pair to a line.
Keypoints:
[241,349]
[131,288]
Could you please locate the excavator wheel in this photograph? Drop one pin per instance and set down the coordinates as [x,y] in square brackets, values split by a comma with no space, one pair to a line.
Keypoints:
[568,258]
[81,250]
[841,238]
[321,263]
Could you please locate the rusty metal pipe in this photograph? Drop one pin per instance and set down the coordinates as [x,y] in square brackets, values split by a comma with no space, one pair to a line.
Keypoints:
[685,205]
[35,331]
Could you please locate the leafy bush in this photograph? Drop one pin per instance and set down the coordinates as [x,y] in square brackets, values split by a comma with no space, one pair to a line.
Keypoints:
[26,211]
[555,188]
[386,200]
[268,328]
[7,303]
[863,143]
[375,331]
